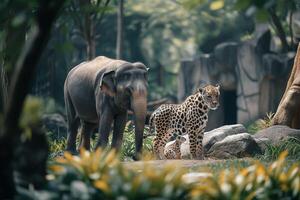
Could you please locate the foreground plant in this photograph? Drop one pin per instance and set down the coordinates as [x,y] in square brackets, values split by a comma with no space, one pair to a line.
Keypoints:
[100,175]
[255,182]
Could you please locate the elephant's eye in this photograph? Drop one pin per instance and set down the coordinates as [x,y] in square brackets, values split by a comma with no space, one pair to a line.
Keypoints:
[126,76]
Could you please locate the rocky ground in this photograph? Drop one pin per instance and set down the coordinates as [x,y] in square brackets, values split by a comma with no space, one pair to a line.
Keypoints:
[233,141]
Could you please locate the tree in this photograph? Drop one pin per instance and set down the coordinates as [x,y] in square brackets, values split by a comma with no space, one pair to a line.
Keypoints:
[276,12]
[87,15]
[288,111]
[120,32]
[44,16]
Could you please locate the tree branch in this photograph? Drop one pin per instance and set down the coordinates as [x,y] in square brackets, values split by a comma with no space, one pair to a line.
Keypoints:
[279,30]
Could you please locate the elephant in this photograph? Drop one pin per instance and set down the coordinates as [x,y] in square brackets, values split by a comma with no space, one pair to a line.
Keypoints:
[99,93]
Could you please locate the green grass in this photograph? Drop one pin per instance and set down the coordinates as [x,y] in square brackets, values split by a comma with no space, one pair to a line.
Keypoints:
[272,152]
[57,146]
[260,124]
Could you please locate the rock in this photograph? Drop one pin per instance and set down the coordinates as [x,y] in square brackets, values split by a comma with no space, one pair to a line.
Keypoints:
[56,124]
[277,134]
[185,148]
[195,177]
[211,137]
[216,135]
[262,143]
[234,146]
[248,72]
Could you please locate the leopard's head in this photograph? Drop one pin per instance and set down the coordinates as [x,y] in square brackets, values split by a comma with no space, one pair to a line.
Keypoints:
[211,96]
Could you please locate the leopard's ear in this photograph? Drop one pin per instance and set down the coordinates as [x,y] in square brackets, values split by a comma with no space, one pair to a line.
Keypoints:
[200,90]
[218,86]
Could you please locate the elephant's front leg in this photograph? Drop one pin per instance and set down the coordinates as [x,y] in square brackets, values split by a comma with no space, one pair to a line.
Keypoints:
[105,122]
[119,126]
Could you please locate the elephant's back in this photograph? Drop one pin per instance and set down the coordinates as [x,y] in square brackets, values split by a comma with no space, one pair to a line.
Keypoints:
[81,81]
[90,69]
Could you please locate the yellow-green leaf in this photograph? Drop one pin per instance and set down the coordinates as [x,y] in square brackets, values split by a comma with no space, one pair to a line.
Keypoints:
[216,5]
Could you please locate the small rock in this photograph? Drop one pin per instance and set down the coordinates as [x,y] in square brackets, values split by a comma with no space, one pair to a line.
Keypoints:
[234,146]
[195,177]
[56,124]
[185,148]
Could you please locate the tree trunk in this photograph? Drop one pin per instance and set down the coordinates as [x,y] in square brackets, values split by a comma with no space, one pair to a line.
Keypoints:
[120,24]
[46,13]
[288,111]
[3,89]
[90,38]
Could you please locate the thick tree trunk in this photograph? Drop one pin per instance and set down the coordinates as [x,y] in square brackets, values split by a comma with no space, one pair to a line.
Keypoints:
[19,87]
[288,111]
[120,23]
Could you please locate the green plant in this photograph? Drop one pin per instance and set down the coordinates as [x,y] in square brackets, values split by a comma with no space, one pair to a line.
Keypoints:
[292,145]
[260,124]
[128,147]
[254,182]
[100,175]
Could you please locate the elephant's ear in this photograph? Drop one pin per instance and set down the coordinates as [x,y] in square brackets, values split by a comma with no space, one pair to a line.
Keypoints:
[107,83]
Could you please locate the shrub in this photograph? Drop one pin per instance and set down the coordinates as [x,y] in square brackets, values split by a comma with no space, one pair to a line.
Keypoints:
[128,146]
[100,175]
[261,123]
[255,182]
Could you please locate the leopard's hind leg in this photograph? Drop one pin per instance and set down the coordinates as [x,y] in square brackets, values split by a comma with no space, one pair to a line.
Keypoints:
[163,134]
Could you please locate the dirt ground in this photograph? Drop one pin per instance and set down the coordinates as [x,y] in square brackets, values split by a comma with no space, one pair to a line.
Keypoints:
[186,164]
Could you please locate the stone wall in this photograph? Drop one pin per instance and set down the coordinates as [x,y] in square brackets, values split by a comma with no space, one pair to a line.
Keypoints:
[252,79]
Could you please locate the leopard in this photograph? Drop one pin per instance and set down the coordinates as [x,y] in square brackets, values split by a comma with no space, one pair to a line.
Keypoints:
[189,117]
[172,149]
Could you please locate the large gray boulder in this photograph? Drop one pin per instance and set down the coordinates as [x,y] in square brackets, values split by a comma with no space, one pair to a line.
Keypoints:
[276,134]
[234,146]
[213,136]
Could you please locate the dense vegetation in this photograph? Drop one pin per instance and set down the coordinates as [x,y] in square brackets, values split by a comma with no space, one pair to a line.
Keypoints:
[40,41]
[101,175]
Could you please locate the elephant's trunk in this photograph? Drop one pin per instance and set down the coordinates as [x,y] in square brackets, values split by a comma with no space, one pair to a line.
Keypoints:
[139,106]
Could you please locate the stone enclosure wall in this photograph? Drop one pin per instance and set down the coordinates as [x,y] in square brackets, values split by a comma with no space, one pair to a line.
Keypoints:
[252,78]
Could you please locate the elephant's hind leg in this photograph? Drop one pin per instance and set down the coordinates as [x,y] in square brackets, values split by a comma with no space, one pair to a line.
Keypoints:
[86,131]
[72,135]
[73,123]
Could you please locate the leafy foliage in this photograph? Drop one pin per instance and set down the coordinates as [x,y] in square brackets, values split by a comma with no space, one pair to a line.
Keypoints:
[128,147]
[260,124]
[100,175]
[255,182]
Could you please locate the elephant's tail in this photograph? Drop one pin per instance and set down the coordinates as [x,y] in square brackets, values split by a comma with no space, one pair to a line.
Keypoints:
[70,110]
